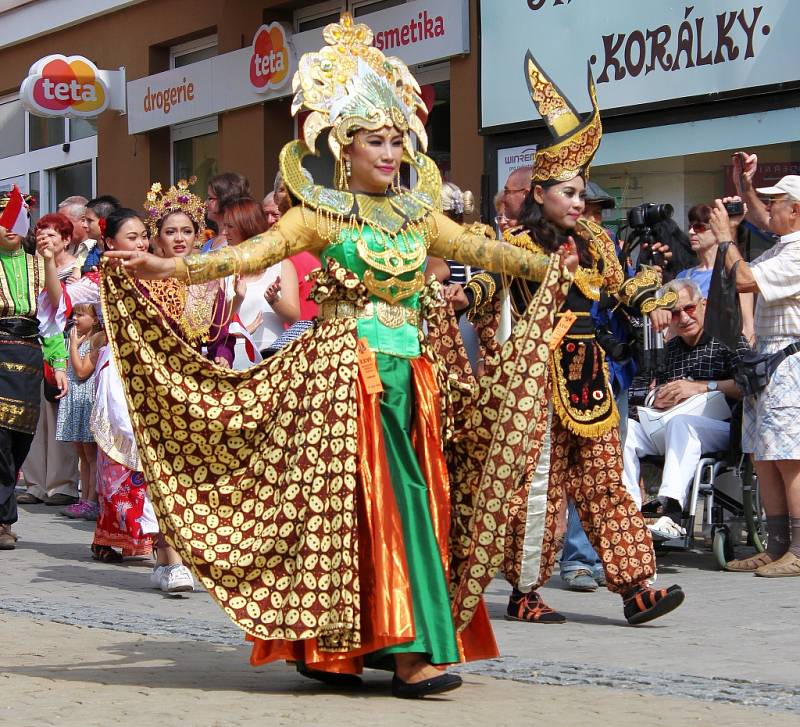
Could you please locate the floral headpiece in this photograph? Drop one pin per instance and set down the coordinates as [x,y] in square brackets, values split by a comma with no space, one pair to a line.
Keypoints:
[350,85]
[177,198]
[576,140]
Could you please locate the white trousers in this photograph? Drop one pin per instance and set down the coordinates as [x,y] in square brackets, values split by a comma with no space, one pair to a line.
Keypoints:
[687,438]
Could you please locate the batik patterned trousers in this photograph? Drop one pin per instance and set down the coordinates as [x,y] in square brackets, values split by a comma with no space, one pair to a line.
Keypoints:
[588,471]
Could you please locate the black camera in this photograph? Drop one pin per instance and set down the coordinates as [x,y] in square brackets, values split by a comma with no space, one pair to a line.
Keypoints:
[734,209]
[649,214]
[619,351]
[641,219]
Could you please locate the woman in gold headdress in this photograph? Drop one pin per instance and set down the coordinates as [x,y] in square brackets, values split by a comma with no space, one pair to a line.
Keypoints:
[580,452]
[323,497]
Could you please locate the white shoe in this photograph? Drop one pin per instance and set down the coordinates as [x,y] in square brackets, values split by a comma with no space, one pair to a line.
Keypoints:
[665,528]
[155,576]
[176,579]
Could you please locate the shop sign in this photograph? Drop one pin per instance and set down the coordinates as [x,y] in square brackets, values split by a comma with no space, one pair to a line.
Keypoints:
[241,78]
[60,85]
[639,53]
[513,158]
[416,32]
[767,174]
[269,62]
[170,97]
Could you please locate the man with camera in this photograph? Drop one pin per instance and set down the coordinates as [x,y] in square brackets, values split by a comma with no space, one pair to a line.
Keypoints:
[771,428]
[695,364]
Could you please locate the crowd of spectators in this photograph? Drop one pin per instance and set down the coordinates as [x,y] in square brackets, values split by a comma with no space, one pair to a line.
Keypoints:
[273,306]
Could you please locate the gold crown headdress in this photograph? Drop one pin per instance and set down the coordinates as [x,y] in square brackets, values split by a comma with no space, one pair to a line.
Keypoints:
[350,85]
[575,142]
[177,198]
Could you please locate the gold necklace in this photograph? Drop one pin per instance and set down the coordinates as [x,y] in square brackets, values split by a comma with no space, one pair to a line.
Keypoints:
[170,296]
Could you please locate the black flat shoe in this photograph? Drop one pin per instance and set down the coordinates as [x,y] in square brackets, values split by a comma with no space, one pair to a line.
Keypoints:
[427,687]
[645,604]
[331,678]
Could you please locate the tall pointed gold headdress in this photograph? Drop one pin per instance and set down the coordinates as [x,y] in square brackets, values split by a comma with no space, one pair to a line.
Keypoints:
[575,142]
[350,85]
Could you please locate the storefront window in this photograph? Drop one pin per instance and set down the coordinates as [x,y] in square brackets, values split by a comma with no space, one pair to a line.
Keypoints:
[12,128]
[438,123]
[69,181]
[319,22]
[194,51]
[44,132]
[34,188]
[322,14]
[82,128]
[684,181]
[360,9]
[196,156]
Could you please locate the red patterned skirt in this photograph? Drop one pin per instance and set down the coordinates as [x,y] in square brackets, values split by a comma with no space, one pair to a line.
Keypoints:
[121,496]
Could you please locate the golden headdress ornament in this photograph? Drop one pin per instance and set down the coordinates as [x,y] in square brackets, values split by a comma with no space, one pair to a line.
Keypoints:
[575,142]
[350,85]
[177,198]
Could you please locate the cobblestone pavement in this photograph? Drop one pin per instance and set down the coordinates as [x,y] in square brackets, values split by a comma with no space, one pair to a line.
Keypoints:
[726,655]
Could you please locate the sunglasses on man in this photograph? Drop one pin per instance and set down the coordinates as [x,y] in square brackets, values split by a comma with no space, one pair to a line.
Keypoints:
[689,310]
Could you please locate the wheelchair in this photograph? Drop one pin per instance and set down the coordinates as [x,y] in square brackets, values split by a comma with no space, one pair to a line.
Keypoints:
[727,486]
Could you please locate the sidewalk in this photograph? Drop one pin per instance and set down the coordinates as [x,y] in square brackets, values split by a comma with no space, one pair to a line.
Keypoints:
[150,658]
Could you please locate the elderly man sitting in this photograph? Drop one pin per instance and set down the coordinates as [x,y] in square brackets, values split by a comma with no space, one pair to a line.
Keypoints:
[695,363]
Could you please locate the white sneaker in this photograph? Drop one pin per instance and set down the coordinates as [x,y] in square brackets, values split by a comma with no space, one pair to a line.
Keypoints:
[176,579]
[155,576]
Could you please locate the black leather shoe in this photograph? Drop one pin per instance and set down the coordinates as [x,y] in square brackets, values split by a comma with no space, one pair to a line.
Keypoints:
[25,498]
[331,678]
[418,690]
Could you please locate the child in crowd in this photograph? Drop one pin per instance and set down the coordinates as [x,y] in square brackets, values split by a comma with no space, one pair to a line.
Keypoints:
[75,409]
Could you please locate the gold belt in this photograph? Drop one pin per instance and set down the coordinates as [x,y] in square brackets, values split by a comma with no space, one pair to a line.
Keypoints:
[392,316]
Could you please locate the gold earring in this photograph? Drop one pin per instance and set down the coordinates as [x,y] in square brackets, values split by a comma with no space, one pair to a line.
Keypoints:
[348,167]
[342,174]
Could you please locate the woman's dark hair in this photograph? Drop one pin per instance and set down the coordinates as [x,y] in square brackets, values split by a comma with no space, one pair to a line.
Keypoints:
[60,223]
[118,218]
[246,215]
[700,213]
[161,222]
[544,231]
[228,185]
[103,205]
[668,233]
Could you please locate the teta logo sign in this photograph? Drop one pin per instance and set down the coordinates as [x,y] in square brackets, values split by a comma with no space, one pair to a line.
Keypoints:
[269,64]
[64,86]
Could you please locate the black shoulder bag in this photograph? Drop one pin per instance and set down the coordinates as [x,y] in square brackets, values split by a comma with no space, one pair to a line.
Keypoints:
[755,369]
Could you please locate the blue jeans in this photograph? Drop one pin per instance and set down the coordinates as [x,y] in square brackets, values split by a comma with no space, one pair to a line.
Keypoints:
[578,552]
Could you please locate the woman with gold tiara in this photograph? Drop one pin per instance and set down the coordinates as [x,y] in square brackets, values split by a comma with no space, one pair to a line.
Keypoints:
[344,501]
[579,451]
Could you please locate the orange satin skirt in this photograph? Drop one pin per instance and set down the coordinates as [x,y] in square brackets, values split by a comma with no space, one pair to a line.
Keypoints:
[384,585]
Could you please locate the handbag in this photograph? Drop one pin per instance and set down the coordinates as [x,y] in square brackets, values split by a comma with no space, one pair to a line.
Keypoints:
[754,370]
[723,319]
[710,404]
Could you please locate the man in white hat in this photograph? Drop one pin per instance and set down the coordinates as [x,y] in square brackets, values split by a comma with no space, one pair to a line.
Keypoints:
[772,418]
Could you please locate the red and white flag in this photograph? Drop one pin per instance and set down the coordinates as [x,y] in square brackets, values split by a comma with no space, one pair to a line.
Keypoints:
[15,216]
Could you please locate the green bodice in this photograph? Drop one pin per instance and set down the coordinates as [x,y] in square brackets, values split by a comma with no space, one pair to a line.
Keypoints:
[404,255]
